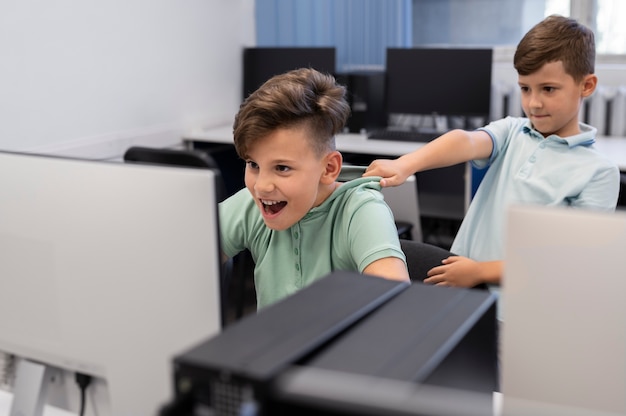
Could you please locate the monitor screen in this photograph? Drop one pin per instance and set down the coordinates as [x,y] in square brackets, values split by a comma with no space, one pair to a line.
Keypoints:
[109,269]
[564,327]
[262,63]
[445,81]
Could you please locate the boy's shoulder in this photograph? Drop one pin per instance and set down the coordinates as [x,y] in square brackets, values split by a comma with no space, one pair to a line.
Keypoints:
[510,124]
[354,193]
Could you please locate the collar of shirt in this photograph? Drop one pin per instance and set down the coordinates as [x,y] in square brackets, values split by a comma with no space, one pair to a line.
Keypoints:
[586,137]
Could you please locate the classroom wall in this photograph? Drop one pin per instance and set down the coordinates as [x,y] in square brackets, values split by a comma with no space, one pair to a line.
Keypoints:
[91,78]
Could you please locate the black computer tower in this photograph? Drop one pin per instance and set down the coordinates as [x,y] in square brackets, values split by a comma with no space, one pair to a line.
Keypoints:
[366,95]
[419,336]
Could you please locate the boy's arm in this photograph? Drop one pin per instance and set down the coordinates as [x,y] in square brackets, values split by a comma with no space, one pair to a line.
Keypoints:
[391,268]
[465,272]
[449,149]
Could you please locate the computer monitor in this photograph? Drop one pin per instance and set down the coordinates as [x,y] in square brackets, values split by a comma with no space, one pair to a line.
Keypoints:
[451,82]
[564,331]
[262,63]
[108,269]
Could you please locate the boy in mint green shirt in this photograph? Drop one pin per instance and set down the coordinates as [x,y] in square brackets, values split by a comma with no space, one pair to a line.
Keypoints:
[296,219]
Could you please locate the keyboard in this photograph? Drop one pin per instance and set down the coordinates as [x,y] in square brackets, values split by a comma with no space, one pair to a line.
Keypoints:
[401,135]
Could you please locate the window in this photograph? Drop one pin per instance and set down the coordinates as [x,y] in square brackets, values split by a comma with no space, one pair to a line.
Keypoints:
[609,26]
[504,22]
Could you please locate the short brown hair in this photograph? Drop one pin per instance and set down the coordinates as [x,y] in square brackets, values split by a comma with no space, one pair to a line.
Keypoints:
[301,97]
[557,38]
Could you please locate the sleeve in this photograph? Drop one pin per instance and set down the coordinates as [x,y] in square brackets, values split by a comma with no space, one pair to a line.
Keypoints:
[372,232]
[602,192]
[500,133]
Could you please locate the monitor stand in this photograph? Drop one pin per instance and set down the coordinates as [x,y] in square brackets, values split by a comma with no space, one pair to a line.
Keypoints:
[31,388]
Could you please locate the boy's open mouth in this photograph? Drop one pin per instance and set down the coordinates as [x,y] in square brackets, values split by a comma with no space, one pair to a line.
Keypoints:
[273,207]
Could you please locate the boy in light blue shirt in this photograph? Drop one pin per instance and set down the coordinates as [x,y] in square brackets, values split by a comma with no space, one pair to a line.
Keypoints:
[546,158]
[297,220]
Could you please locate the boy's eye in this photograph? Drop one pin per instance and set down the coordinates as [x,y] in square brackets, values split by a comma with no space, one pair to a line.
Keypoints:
[251,164]
[524,89]
[548,89]
[283,168]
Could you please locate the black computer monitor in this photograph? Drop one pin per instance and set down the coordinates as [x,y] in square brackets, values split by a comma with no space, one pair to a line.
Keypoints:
[445,81]
[262,63]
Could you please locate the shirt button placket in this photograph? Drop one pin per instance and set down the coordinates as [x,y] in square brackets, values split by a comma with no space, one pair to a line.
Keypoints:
[296,249]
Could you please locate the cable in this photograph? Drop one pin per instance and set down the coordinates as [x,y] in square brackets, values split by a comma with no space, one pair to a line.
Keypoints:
[83,380]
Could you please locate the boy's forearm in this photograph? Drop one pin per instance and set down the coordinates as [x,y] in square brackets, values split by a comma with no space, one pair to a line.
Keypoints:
[456,146]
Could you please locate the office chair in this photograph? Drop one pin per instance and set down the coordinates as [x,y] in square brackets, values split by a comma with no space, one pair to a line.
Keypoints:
[621,201]
[175,157]
[421,257]
[192,159]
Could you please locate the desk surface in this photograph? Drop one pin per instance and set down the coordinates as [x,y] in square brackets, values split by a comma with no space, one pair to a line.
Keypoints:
[352,142]
[613,147]
[6,398]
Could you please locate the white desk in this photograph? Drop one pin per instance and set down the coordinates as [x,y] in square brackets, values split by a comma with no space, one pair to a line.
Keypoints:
[6,398]
[613,147]
[351,142]
[431,204]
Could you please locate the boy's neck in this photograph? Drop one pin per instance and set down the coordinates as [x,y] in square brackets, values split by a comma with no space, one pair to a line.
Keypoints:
[325,192]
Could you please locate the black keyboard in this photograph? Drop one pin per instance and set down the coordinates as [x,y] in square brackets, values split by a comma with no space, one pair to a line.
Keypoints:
[401,135]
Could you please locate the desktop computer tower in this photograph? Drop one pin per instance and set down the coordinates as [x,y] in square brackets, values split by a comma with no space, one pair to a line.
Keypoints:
[236,369]
[366,95]
[417,336]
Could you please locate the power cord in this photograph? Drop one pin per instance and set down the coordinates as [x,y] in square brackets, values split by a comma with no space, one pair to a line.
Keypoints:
[83,381]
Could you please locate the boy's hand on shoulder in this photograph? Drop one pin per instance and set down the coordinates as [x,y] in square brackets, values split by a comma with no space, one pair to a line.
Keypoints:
[389,170]
[455,271]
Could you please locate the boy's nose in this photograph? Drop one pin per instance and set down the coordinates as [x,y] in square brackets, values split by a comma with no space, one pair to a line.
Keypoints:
[263,184]
[534,101]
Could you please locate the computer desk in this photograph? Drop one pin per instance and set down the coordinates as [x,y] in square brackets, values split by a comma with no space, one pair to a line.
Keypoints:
[614,147]
[6,398]
[354,143]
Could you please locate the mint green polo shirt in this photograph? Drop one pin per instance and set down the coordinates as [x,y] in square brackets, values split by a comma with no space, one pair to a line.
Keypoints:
[352,228]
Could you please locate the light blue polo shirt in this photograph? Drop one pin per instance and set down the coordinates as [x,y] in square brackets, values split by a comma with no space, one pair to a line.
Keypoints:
[352,228]
[526,168]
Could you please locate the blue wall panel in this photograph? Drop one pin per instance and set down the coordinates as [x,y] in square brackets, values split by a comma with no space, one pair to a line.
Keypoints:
[361,30]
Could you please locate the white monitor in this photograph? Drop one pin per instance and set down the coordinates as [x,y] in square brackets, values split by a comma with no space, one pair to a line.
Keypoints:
[564,331]
[107,269]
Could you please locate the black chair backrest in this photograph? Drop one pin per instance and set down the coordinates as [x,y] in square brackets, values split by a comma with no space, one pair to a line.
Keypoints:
[621,202]
[421,257]
[175,157]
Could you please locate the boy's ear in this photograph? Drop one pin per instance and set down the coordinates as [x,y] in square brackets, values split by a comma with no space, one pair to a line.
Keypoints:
[589,84]
[333,161]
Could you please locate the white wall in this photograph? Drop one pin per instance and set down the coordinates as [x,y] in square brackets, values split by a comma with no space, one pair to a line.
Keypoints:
[90,78]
